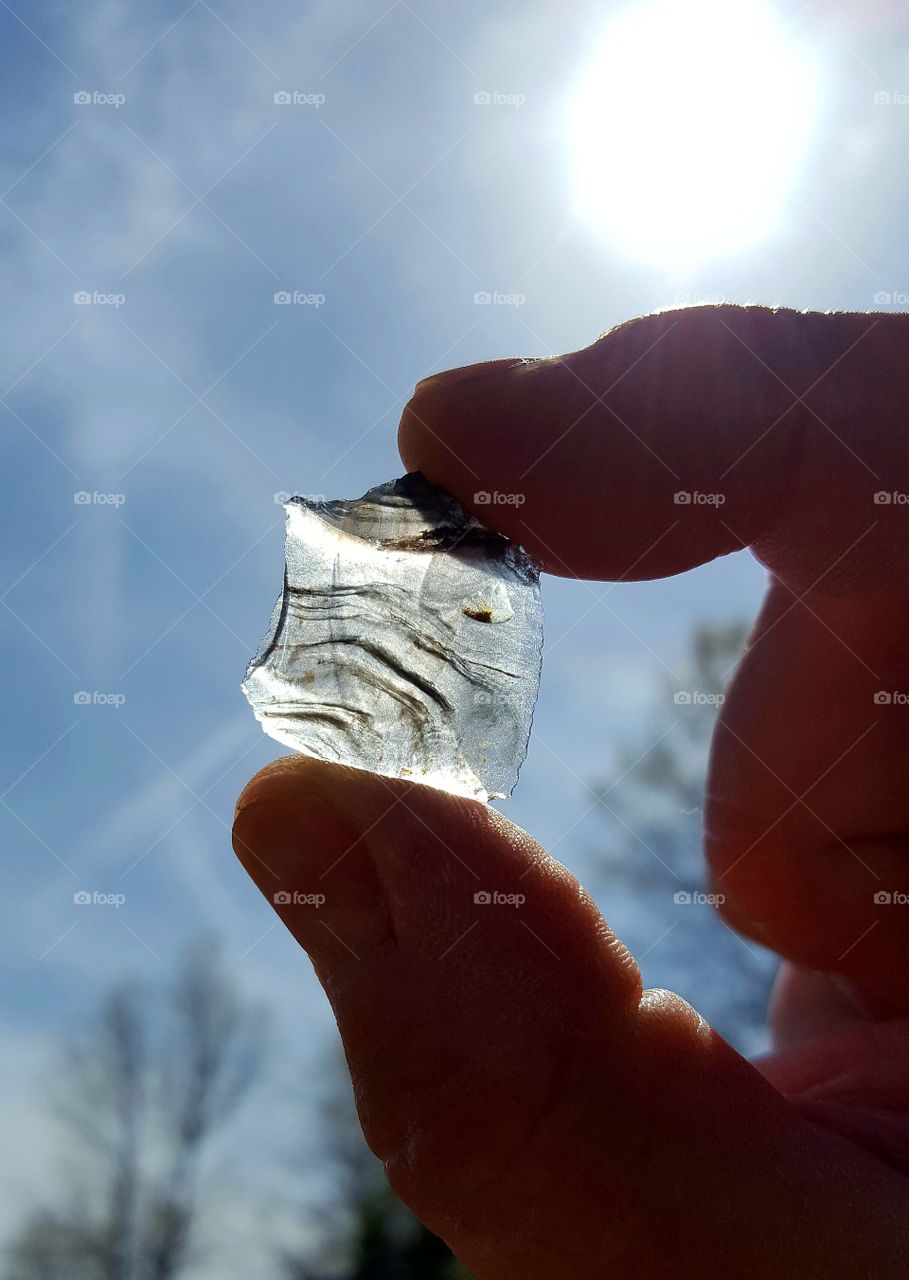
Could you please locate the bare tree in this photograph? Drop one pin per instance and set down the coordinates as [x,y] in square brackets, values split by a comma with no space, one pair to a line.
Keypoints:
[199,1089]
[158,1075]
[161,1071]
[369,1234]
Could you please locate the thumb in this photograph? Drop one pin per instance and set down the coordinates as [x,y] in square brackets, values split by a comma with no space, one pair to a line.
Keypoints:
[531,1104]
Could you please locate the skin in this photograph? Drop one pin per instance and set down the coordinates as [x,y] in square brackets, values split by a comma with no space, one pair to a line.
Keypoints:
[532,1104]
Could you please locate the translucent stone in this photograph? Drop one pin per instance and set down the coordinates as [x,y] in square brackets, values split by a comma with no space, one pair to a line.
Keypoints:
[407,640]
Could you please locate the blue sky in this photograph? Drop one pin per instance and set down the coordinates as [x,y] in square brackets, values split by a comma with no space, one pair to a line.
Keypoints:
[196,399]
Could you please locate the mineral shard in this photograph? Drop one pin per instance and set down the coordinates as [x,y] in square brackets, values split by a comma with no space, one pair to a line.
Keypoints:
[407,640]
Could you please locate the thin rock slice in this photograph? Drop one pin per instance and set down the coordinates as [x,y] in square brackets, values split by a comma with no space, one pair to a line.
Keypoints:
[407,640]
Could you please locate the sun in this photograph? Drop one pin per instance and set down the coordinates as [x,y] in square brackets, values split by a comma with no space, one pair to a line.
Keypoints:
[689,128]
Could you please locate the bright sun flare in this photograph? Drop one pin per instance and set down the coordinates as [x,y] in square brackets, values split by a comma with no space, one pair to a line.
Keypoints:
[689,127]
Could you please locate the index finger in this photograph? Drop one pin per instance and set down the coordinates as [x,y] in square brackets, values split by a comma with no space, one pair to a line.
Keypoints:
[781,429]
[684,435]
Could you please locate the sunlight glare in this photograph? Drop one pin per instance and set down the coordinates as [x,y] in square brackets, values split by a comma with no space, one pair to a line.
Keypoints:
[689,128]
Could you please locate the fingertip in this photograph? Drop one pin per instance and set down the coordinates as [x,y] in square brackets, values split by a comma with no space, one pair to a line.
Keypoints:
[270,778]
[684,435]
[580,457]
[465,373]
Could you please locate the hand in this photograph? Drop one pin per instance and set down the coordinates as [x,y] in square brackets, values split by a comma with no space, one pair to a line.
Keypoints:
[533,1106]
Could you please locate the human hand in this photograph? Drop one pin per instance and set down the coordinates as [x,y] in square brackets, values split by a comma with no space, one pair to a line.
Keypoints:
[532,1105]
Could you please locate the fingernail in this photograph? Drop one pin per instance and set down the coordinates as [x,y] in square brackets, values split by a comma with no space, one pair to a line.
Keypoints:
[466,373]
[311,861]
